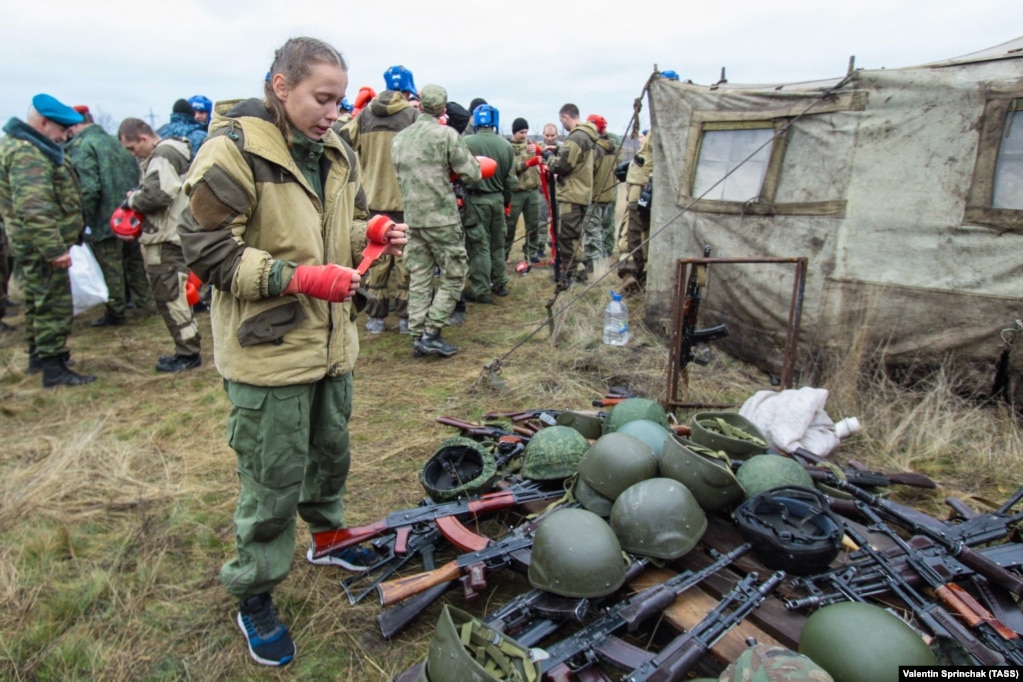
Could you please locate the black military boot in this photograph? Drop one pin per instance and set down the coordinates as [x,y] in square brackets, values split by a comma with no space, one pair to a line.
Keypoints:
[56,373]
[432,344]
[35,364]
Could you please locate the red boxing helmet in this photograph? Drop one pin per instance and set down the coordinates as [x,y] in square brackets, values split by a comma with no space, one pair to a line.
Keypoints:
[192,285]
[599,121]
[126,223]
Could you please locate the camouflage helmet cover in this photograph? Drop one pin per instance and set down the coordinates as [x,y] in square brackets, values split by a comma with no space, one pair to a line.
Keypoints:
[461,466]
[769,663]
[553,453]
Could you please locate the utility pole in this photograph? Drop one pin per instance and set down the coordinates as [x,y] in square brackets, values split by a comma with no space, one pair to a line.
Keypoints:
[152,118]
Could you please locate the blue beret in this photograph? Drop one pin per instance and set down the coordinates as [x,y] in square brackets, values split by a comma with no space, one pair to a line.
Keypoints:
[55,110]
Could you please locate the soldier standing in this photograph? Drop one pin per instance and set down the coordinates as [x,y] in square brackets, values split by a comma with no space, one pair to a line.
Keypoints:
[574,167]
[604,188]
[370,134]
[526,197]
[165,164]
[489,199]
[41,207]
[633,271]
[425,155]
[107,172]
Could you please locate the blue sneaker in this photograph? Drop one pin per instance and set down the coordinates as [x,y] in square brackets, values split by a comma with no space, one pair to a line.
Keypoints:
[358,559]
[268,638]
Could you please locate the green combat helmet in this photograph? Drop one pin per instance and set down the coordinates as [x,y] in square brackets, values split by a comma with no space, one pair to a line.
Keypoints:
[466,649]
[634,408]
[648,431]
[658,518]
[729,432]
[857,642]
[588,424]
[769,663]
[707,474]
[576,554]
[590,499]
[553,453]
[461,466]
[616,461]
[763,472]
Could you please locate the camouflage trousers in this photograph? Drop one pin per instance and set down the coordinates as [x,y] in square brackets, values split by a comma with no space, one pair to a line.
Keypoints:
[637,231]
[485,244]
[167,271]
[526,204]
[48,305]
[292,446]
[610,234]
[593,232]
[427,248]
[123,270]
[379,277]
[570,229]
[6,268]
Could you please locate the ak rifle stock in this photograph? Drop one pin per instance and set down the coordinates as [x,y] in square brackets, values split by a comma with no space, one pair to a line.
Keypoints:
[443,514]
[627,614]
[482,431]
[681,654]
[864,478]
[936,531]
[470,567]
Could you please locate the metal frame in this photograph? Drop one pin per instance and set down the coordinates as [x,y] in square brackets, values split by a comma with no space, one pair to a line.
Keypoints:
[675,368]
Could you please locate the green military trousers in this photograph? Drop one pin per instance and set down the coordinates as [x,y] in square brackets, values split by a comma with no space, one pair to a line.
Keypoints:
[292,448]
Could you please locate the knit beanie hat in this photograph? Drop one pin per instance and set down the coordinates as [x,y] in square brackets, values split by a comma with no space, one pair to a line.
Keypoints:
[183,107]
[519,124]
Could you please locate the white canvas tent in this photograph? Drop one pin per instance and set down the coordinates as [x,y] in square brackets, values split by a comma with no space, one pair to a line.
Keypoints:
[903,188]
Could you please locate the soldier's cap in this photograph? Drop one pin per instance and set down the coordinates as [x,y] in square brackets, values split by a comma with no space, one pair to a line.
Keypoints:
[55,110]
[81,109]
[434,99]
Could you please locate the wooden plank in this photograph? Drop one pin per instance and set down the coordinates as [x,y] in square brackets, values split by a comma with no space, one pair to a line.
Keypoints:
[689,609]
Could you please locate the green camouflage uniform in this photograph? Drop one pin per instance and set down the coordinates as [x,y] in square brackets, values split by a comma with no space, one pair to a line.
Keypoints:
[41,207]
[107,172]
[162,201]
[425,154]
[574,168]
[6,266]
[489,197]
[370,134]
[525,202]
[601,210]
[610,234]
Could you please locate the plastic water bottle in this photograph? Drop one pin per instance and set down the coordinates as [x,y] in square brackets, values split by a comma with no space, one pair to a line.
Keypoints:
[616,321]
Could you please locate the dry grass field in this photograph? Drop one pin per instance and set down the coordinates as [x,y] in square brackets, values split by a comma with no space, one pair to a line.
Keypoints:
[116,498]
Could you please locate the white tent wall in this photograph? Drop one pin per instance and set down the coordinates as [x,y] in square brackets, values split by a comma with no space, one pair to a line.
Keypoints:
[876,177]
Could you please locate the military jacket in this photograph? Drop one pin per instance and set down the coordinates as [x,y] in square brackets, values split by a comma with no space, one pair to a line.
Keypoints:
[604,182]
[160,197]
[486,142]
[249,207]
[574,165]
[40,199]
[528,178]
[107,172]
[425,155]
[370,134]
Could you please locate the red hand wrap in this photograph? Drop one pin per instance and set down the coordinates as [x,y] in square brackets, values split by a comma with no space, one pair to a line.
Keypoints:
[326,282]
[534,161]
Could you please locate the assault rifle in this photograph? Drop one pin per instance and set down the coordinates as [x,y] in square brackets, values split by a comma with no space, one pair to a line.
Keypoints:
[996,644]
[597,638]
[691,336]
[485,431]
[443,514]
[861,575]
[686,650]
[417,592]
[953,537]
[424,541]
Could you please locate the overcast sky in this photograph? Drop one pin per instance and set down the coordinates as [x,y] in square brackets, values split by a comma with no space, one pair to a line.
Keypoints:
[133,57]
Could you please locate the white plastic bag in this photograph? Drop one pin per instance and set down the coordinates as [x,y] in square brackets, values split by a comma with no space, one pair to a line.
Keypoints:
[88,288]
[792,419]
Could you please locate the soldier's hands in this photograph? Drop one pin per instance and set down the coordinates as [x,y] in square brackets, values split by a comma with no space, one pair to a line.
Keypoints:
[329,282]
[63,261]
[397,237]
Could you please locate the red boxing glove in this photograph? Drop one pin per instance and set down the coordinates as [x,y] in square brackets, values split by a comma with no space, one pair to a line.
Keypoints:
[326,282]
[507,210]
[488,167]
[534,161]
